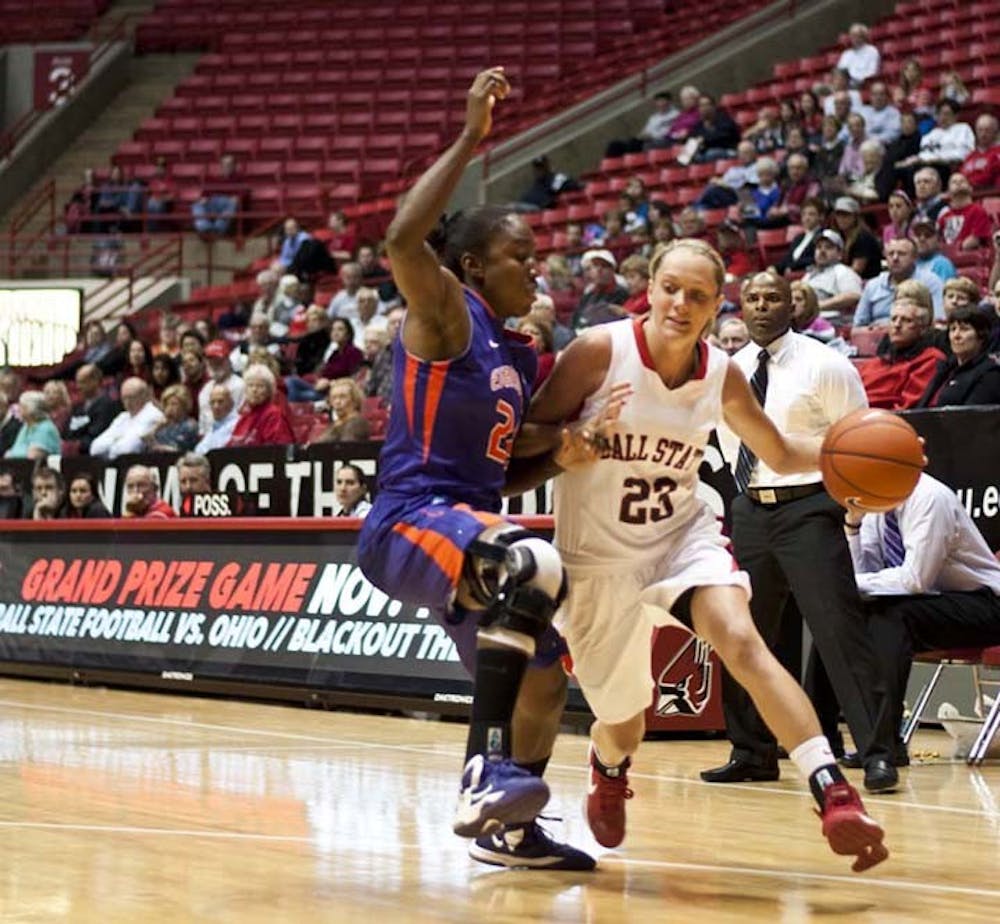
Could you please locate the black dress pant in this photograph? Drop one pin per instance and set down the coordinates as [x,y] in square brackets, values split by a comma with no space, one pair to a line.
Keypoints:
[799,548]
[904,626]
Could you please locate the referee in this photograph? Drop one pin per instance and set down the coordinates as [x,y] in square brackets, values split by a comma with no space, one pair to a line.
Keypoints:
[788,535]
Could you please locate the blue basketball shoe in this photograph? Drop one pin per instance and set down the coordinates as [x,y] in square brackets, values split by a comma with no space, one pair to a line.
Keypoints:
[530,847]
[494,793]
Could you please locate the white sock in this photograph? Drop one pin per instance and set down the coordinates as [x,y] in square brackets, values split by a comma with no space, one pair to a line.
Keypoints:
[812,754]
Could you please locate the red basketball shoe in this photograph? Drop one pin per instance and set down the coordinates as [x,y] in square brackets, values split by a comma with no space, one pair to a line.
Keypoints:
[606,795]
[849,829]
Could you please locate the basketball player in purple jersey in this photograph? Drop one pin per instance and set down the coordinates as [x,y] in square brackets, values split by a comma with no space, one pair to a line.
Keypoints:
[434,536]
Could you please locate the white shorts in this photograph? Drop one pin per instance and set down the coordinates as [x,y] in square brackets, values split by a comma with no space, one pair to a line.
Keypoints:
[608,619]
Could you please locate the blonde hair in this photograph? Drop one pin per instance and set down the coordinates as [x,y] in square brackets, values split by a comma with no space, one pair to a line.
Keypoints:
[181,393]
[700,248]
[964,285]
[636,263]
[918,294]
[357,395]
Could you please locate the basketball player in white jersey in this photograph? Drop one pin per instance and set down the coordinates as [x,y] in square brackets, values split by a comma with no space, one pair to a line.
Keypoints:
[641,549]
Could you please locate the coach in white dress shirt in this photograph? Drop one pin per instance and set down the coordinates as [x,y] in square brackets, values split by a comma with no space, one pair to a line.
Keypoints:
[944,593]
[787,534]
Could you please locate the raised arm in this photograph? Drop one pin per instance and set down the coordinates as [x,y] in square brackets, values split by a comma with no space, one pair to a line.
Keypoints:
[745,417]
[437,323]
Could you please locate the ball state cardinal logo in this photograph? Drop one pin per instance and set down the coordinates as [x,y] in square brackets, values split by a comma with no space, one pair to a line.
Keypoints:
[685,684]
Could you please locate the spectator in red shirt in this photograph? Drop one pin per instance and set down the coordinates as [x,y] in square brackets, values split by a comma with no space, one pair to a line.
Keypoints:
[342,240]
[635,270]
[142,495]
[964,224]
[261,422]
[898,376]
[982,166]
[732,247]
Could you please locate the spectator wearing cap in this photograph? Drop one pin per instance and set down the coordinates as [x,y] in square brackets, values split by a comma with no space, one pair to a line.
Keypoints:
[924,232]
[220,371]
[261,422]
[900,216]
[862,250]
[875,307]
[604,295]
[964,224]
[897,377]
[860,59]
[837,286]
[982,167]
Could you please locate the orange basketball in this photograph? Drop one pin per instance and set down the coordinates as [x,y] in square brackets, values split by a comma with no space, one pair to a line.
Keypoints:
[871,459]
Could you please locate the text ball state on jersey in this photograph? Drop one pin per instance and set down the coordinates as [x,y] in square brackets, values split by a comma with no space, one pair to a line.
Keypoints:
[871,459]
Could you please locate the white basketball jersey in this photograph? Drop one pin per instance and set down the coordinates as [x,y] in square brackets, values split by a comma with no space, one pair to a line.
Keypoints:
[615,512]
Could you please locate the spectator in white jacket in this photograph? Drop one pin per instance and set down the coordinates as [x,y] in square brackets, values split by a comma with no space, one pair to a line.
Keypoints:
[127,431]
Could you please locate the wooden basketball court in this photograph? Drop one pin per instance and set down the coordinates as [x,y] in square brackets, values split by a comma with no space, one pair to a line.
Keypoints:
[123,807]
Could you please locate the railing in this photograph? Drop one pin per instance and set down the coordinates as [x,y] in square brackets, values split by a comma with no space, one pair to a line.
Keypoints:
[167,259]
[12,137]
[140,263]
[43,200]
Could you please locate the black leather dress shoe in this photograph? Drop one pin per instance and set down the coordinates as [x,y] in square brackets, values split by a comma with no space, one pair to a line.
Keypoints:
[852,759]
[741,771]
[881,776]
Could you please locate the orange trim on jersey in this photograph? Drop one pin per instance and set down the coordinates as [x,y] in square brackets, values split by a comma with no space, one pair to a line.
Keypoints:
[439,549]
[435,387]
[410,388]
[487,519]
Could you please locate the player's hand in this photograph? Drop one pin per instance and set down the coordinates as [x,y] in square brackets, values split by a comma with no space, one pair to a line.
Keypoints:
[488,87]
[591,440]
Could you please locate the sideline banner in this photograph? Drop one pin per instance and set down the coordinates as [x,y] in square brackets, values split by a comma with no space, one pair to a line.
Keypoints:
[244,600]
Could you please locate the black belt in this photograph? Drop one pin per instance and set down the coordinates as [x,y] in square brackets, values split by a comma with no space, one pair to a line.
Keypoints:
[771,497]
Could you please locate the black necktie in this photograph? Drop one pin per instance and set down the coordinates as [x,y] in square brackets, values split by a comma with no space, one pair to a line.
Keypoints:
[746,460]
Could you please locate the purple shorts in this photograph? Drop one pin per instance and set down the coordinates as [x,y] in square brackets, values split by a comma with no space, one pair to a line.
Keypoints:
[413,549]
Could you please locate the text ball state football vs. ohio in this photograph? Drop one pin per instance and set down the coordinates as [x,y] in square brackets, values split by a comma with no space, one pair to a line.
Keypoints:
[871,460]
